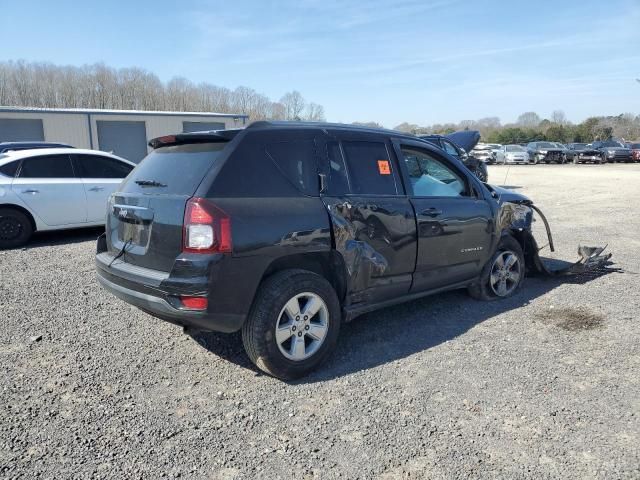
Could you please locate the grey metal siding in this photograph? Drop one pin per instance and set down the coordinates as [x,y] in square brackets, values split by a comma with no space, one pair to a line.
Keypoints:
[188,127]
[125,139]
[21,130]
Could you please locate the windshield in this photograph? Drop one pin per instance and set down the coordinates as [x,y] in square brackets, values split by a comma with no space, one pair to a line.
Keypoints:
[611,143]
[545,145]
[515,148]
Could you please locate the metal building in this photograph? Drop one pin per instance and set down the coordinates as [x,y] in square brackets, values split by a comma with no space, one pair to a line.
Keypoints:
[123,132]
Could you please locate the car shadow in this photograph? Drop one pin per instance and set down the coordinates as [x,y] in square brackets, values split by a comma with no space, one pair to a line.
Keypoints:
[64,237]
[511,187]
[397,332]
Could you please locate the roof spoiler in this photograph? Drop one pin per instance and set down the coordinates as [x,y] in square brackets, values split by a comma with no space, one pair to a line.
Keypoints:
[194,137]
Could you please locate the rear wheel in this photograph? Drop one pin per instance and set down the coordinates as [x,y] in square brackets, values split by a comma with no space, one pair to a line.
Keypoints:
[503,275]
[293,325]
[15,228]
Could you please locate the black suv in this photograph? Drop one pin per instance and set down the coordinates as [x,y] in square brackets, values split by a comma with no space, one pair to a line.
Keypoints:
[285,230]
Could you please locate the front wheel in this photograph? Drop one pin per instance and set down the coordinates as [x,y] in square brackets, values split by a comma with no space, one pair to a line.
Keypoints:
[481,173]
[293,325]
[503,274]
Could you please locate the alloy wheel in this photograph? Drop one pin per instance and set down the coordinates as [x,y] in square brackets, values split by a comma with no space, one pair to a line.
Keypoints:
[302,326]
[505,273]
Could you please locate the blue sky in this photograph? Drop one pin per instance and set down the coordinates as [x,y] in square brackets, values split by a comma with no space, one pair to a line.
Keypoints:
[388,61]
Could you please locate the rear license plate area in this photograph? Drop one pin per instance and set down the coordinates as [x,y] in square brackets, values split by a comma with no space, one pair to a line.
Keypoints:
[135,233]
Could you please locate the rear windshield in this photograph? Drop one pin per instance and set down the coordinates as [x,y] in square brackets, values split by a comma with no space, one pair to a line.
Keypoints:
[174,170]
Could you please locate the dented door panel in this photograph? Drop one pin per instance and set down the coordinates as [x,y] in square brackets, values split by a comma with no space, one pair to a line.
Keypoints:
[376,237]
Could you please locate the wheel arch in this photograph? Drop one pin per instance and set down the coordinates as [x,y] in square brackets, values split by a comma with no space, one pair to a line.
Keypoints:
[329,265]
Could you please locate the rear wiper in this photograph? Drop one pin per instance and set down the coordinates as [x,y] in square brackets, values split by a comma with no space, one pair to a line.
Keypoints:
[150,183]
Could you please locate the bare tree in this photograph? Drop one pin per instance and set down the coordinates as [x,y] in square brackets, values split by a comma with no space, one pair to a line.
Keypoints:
[528,119]
[293,104]
[314,112]
[101,86]
[558,117]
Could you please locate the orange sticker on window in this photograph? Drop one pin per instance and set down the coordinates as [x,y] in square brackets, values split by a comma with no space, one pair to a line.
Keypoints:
[383,167]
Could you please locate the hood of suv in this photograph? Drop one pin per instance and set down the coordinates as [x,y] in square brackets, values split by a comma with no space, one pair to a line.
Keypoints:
[466,139]
[506,195]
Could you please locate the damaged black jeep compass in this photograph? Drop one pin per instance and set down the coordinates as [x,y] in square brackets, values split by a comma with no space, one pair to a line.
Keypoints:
[286,230]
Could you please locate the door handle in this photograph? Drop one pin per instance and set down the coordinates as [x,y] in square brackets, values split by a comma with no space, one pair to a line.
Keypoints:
[96,189]
[31,191]
[431,212]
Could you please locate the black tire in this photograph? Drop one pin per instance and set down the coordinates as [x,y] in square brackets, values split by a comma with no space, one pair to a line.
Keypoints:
[258,332]
[481,173]
[482,290]
[15,228]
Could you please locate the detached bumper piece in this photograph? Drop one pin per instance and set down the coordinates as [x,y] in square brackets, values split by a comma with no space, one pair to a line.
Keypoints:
[591,259]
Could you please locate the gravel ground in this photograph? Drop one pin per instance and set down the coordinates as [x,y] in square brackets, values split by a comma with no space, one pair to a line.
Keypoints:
[543,385]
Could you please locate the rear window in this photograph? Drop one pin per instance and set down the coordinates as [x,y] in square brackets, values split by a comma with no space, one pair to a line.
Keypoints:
[174,170]
[297,162]
[10,169]
[97,166]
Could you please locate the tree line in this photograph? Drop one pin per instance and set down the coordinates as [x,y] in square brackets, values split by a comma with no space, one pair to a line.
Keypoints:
[44,85]
[530,127]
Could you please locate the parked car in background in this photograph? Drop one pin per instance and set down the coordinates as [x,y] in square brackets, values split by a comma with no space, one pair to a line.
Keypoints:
[54,189]
[635,151]
[201,234]
[545,152]
[457,145]
[512,154]
[15,146]
[583,153]
[613,150]
[566,151]
[495,148]
[483,152]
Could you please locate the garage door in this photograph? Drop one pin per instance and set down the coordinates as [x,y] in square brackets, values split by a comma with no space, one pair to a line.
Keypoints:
[21,130]
[201,126]
[126,139]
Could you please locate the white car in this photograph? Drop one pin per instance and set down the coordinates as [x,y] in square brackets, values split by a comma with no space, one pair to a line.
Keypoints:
[512,154]
[54,189]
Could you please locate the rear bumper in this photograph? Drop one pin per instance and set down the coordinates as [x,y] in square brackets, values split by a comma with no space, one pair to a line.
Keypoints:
[146,292]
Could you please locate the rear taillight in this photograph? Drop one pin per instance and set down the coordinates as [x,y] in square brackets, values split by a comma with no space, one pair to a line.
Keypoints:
[194,303]
[207,229]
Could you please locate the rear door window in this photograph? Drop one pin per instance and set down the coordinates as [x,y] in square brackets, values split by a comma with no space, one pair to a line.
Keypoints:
[175,170]
[297,162]
[10,169]
[96,166]
[369,168]
[47,166]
